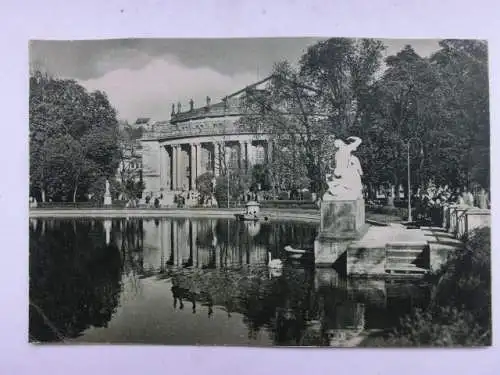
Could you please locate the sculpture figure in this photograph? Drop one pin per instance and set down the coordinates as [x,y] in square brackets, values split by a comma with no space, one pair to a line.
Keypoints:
[345,181]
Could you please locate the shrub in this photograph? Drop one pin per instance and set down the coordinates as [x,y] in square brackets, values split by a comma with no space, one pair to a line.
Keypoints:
[465,280]
[386,210]
[445,327]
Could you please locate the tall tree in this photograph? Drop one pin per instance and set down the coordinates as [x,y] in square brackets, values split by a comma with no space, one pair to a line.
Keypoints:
[463,66]
[324,95]
[73,138]
[130,169]
[402,103]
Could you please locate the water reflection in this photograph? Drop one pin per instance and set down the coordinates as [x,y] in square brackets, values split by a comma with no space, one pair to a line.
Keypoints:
[74,278]
[88,274]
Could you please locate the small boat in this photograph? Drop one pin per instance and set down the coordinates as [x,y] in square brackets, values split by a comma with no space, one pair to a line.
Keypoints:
[250,217]
[252,213]
[297,253]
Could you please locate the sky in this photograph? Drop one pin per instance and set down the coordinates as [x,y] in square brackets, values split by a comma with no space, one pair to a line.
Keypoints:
[144,77]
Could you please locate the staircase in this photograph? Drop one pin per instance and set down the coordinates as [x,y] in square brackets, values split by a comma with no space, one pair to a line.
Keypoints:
[407,258]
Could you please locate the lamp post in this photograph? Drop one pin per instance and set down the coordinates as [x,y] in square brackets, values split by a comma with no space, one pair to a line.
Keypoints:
[410,219]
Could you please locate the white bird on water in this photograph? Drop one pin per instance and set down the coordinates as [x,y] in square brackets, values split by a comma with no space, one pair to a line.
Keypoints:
[274,263]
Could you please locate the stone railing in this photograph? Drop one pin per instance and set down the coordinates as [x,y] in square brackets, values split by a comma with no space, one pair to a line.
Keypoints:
[208,128]
[460,220]
[214,111]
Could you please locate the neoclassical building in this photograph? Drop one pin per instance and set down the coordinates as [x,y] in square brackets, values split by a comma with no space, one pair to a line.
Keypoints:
[201,139]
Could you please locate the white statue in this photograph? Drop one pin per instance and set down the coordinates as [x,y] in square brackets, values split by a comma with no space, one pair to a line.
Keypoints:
[345,182]
[107,195]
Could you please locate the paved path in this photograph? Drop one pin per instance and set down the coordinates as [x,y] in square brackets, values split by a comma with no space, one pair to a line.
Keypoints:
[439,239]
[378,237]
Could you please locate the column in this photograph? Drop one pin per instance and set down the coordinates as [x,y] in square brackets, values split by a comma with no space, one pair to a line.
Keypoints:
[174,167]
[243,155]
[270,149]
[179,167]
[167,169]
[199,156]
[194,246]
[162,166]
[216,159]
[177,249]
[192,166]
[250,153]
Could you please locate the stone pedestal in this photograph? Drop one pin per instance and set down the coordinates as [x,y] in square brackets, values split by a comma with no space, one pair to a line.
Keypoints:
[328,250]
[168,200]
[341,218]
[107,200]
[477,218]
[342,221]
[326,277]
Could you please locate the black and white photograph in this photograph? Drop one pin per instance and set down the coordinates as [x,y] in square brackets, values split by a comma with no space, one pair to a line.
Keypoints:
[260,192]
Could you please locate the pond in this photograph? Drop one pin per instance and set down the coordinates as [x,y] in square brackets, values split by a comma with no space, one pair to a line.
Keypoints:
[181,281]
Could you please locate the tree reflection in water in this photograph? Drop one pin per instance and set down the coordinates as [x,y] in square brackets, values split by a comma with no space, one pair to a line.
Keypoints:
[74,279]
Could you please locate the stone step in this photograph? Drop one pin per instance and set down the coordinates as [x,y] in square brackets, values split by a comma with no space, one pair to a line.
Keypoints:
[404,251]
[408,247]
[400,259]
[406,268]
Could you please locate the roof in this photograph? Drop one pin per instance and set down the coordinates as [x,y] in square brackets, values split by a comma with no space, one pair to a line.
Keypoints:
[229,105]
[142,120]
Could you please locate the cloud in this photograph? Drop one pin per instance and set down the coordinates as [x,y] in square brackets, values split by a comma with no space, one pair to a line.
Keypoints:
[150,90]
[145,84]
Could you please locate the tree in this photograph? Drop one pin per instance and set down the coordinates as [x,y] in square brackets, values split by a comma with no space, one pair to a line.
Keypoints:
[463,68]
[325,95]
[73,138]
[130,167]
[236,182]
[204,184]
[400,110]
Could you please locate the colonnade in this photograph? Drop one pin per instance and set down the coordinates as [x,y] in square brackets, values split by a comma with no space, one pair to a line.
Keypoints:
[181,163]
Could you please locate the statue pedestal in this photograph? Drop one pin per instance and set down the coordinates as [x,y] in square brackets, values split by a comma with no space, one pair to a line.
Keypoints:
[342,221]
[107,200]
[342,217]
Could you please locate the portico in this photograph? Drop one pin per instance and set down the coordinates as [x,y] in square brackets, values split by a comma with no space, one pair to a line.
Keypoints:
[183,160]
[209,138]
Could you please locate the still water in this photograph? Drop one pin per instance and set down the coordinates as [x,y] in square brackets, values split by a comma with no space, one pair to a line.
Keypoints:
[196,282]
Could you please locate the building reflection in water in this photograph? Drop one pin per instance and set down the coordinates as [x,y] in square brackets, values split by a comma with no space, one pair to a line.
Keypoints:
[221,265]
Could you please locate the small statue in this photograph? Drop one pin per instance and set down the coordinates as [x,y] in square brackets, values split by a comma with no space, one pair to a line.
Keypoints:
[107,188]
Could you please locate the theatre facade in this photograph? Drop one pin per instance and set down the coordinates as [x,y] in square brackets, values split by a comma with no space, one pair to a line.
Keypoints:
[199,140]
